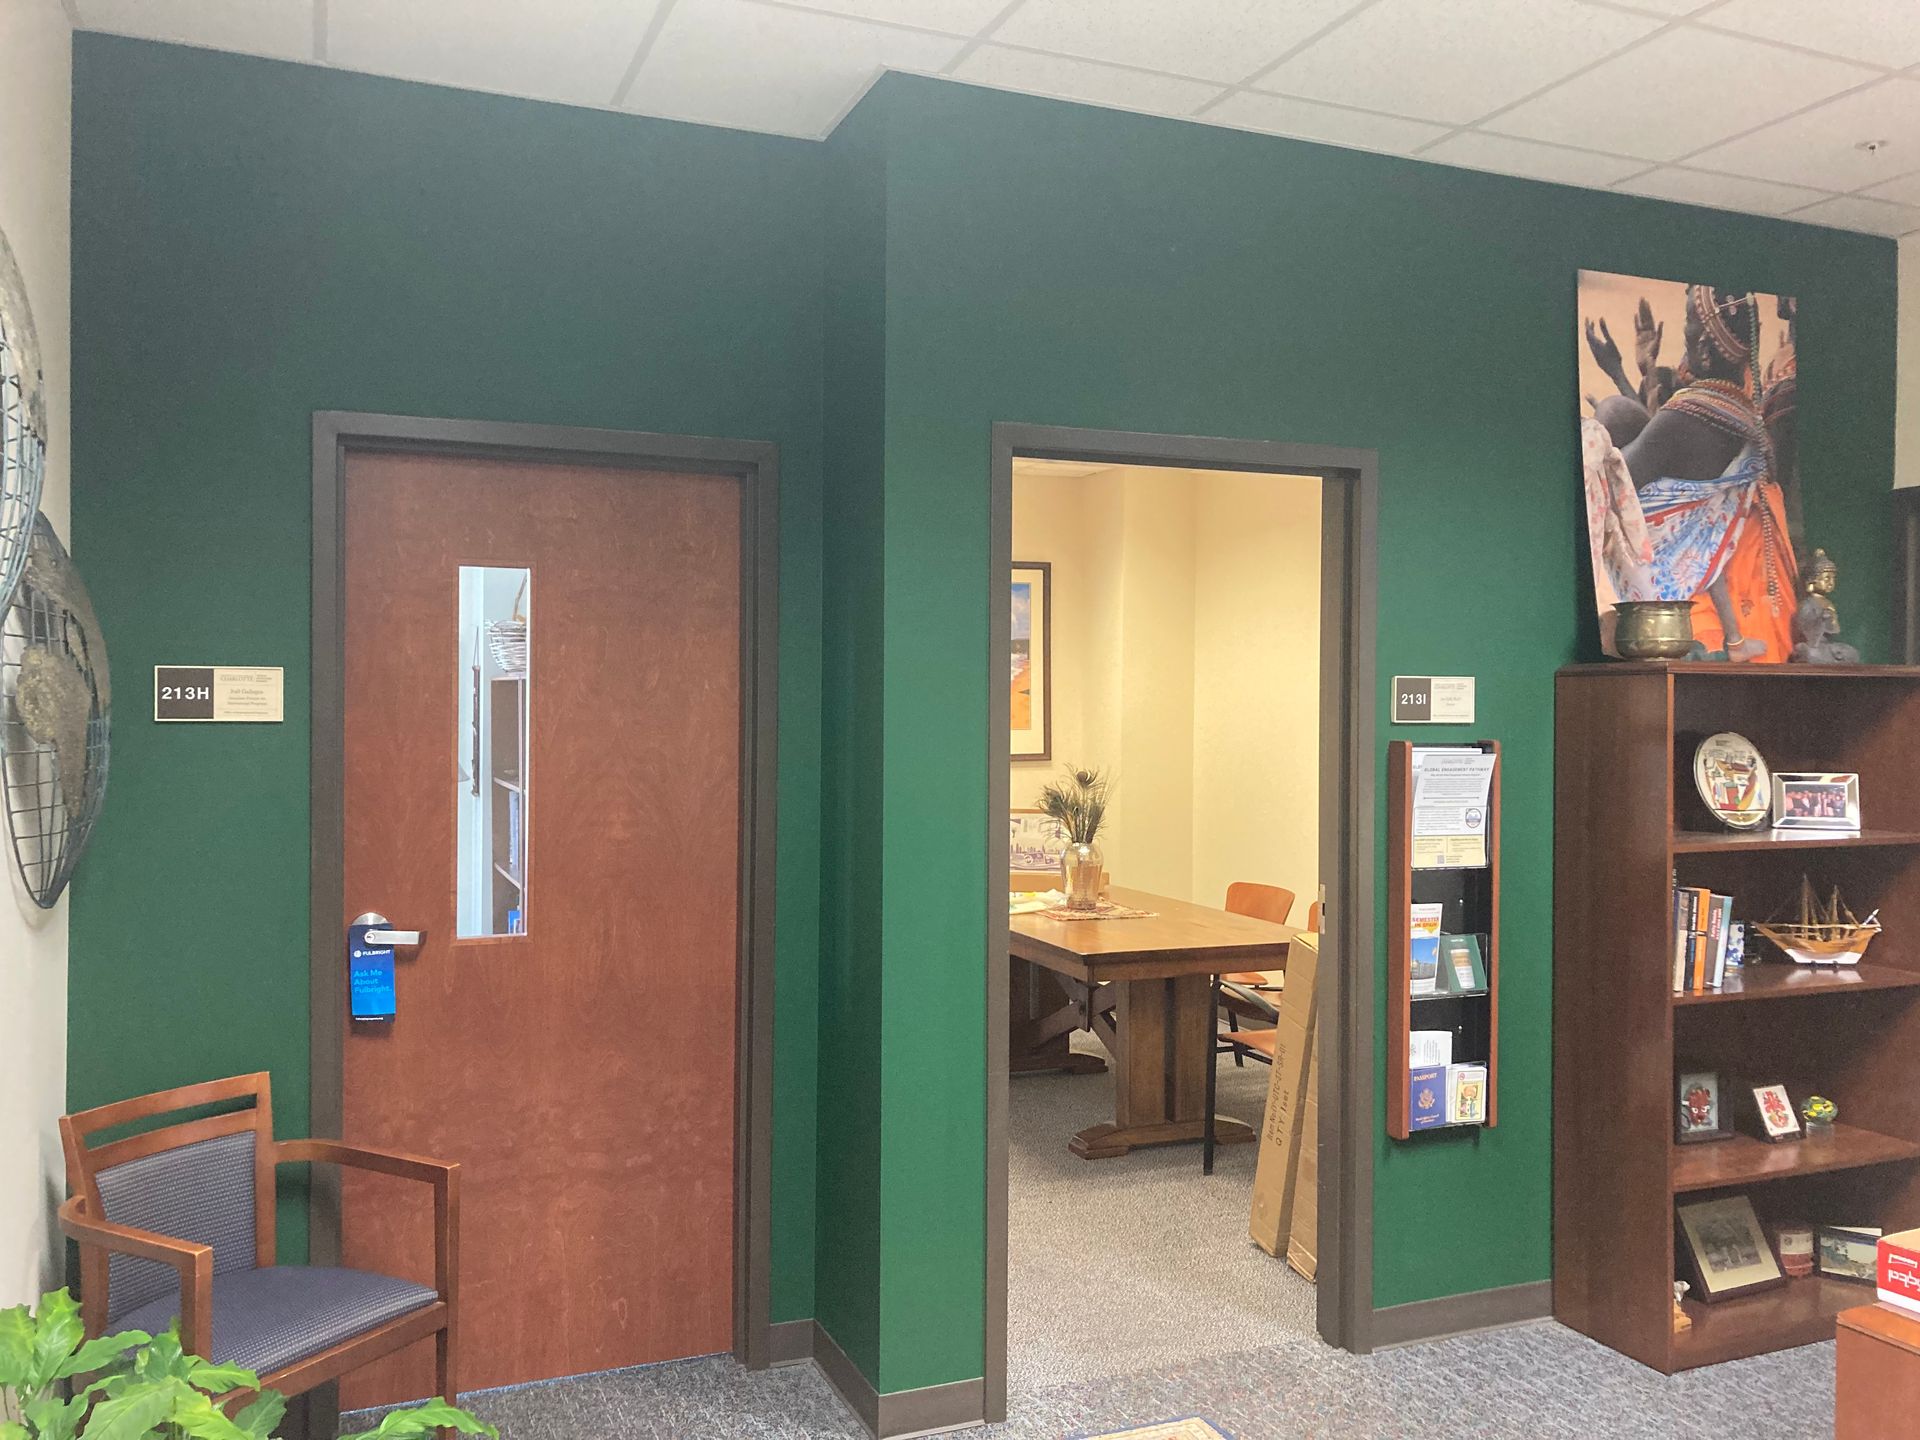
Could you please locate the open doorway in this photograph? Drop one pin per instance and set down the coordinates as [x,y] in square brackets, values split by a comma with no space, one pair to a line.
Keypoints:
[1193,618]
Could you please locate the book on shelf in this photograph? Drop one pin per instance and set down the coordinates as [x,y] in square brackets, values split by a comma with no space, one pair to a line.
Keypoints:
[1427,1097]
[1702,922]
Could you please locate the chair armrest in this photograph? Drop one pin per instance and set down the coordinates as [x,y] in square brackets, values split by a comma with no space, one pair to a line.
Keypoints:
[438,1173]
[442,1175]
[192,1260]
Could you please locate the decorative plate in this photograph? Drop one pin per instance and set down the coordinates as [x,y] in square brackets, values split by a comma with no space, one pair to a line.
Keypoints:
[1733,780]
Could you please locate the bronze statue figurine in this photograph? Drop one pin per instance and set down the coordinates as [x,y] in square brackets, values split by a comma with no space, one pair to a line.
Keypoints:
[1816,622]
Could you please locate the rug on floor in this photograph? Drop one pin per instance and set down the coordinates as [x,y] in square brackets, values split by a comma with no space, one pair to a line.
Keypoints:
[1191,1428]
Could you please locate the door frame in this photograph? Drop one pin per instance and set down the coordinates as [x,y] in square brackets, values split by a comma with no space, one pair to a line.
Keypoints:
[1349,548]
[338,434]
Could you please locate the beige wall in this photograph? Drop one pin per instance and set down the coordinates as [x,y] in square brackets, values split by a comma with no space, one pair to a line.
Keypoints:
[1906,443]
[1186,659]
[35,80]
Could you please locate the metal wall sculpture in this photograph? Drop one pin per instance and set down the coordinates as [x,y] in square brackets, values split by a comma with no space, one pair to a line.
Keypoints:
[23,423]
[55,699]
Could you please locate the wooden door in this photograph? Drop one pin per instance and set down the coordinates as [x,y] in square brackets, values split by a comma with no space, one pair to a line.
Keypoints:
[582,1072]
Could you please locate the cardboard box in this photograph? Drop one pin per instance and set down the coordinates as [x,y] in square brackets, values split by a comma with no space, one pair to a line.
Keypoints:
[1897,1271]
[1274,1177]
[1303,1246]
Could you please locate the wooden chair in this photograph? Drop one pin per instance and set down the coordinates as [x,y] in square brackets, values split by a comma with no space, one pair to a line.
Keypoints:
[1259,1044]
[197,1197]
[1243,994]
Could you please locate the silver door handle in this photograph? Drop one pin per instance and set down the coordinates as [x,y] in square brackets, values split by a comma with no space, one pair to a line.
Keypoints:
[380,933]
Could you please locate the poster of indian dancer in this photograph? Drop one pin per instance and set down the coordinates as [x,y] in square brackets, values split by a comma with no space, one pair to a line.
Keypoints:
[1690,465]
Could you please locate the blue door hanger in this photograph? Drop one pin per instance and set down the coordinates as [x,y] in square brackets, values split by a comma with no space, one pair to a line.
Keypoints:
[370,972]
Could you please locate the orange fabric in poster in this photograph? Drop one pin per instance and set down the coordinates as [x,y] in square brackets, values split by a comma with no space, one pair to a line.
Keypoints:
[1762,617]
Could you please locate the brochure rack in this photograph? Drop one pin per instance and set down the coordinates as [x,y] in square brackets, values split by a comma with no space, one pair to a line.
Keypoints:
[1468,897]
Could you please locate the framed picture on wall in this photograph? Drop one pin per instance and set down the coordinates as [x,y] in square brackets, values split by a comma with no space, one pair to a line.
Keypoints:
[1032,692]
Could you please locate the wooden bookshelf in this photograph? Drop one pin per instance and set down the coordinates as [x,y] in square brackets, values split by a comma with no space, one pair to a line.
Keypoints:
[1627,824]
[1470,905]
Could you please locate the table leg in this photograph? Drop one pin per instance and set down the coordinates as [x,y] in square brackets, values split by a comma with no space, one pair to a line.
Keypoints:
[1165,1036]
[1042,1017]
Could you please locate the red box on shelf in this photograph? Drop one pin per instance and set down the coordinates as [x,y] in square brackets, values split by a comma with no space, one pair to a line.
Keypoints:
[1897,1275]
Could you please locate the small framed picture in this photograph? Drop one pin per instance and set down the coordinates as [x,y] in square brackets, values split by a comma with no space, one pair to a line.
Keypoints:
[1847,1252]
[1774,1107]
[1726,1248]
[1816,800]
[1699,1111]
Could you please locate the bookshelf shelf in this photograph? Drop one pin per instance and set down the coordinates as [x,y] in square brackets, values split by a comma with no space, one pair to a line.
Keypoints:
[1801,1312]
[1789,982]
[1743,1160]
[1705,842]
[1629,829]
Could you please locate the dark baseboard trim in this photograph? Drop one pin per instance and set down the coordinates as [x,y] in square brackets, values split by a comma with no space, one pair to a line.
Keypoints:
[933,1410]
[1458,1314]
[789,1342]
[901,1415]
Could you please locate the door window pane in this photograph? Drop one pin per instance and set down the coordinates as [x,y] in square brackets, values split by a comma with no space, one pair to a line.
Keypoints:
[490,751]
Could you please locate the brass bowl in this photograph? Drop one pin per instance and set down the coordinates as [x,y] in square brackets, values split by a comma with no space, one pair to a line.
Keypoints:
[1653,629]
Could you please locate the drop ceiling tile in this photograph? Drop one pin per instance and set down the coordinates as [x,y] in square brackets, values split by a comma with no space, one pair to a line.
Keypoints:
[1225,40]
[1086,80]
[1856,212]
[1821,147]
[1530,159]
[1701,87]
[280,28]
[1721,192]
[1675,8]
[1904,190]
[955,17]
[1453,60]
[1880,32]
[763,67]
[569,50]
[1304,120]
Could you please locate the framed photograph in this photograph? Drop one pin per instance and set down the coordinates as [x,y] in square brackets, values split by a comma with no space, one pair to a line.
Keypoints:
[1700,1108]
[1774,1108]
[1032,691]
[1726,1248]
[1847,1252]
[1816,800]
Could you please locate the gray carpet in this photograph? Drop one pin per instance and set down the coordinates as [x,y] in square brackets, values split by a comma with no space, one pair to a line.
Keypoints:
[1130,1263]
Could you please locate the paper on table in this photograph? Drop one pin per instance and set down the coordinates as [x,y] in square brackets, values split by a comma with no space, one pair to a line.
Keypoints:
[1031,902]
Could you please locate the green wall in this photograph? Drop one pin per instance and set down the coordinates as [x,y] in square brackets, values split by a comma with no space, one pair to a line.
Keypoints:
[1062,265]
[255,241]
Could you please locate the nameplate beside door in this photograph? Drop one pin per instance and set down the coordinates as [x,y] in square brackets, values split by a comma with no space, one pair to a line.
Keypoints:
[233,694]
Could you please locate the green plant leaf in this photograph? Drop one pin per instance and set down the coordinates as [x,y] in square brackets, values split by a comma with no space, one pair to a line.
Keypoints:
[421,1419]
[258,1419]
[58,1334]
[218,1379]
[162,1359]
[196,1415]
[16,1347]
[14,1430]
[50,1418]
[96,1354]
[132,1416]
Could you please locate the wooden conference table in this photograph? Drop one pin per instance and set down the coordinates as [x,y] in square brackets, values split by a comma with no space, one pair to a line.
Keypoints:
[1144,987]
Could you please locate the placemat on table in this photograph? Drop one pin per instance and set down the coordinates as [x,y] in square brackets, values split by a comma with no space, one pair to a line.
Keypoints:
[1105,910]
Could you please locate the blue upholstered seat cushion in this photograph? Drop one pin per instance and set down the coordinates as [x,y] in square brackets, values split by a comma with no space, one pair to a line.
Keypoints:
[264,1319]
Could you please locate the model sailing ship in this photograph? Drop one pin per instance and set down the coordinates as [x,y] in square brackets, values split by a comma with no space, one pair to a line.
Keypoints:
[1822,934]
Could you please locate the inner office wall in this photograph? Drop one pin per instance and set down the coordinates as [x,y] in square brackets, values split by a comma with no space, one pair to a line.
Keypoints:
[255,241]
[1185,662]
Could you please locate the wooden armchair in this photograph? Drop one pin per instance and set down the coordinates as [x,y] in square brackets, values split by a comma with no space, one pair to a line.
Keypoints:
[197,1197]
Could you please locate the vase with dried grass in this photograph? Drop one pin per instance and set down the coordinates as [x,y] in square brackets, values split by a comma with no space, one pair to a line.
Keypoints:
[1079,803]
